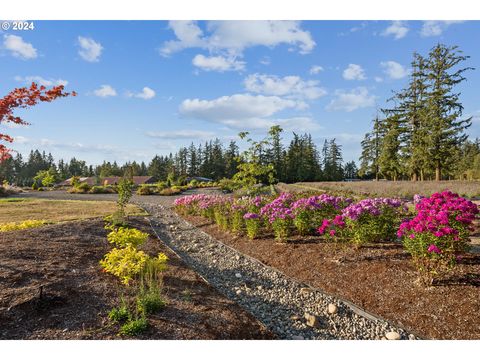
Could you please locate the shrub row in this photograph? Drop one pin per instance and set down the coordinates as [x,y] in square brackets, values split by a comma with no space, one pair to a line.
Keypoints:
[434,233]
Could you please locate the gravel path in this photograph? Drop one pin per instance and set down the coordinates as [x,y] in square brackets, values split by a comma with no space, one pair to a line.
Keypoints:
[281,303]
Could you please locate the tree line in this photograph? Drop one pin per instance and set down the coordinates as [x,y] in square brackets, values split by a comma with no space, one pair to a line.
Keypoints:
[421,135]
[301,160]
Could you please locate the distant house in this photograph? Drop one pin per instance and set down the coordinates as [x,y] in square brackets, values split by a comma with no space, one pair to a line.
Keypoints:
[111,180]
[199,179]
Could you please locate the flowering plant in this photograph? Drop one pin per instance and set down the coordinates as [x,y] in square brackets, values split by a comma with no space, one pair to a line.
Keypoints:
[369,220]
[279,215]
[253,224]
[438,233]
[310,212]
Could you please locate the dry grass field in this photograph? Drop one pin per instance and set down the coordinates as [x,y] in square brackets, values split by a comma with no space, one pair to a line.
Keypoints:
[404,189]
[52,211]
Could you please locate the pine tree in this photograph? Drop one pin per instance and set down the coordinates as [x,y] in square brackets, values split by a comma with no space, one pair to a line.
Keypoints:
[444,110]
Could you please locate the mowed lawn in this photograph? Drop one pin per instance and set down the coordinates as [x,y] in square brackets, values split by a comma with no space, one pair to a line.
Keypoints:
[18,210]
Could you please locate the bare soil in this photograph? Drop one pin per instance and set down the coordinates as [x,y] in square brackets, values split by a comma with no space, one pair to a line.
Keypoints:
[52,287]
[380,278]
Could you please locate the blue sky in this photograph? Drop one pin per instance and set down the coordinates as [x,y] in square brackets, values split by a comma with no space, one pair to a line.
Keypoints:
[148,87]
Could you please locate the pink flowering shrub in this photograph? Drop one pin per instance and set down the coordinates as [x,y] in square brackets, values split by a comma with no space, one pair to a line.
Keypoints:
[279,215]
[310,212]
[242,206]
[253,224]
[369,220]
[438,233]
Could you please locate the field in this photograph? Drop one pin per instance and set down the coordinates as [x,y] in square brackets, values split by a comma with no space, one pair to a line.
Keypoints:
[52,211]
[403,189]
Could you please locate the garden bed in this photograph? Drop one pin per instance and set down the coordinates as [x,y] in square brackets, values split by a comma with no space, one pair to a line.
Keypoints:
[52,288]
[379,278]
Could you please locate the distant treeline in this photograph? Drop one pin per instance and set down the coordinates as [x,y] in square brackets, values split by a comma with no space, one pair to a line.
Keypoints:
[301,160]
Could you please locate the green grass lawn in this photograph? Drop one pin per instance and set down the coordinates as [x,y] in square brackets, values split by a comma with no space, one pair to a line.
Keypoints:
[51,211]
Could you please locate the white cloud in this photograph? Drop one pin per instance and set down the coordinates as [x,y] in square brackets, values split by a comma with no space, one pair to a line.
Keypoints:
[299,123]
[145,94]
[21,140]
[245,111]
[398,29]
[378,79]
[40,80]
[188,34]
[436,27]
[394,70]
[90,50]
[316,69]
[234,36]
[218,63]
[18,47]
[351,100]
[354,72]
[105,91]
[235,107]
[181,134]
[292,86]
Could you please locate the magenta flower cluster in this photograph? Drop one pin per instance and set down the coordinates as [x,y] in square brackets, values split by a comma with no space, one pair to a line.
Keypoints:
[373,206]
[319,202]
[247,203]
[279,208]
[250,216]
[440,215]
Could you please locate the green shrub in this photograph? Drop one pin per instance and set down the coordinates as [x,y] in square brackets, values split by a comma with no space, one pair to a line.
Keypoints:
[123,237]
[145,189]
[161,185]
[170,191]
[81,188]
[120,314]
[134,327]
[100,190]
[229,185]
[194,183]
[149,301]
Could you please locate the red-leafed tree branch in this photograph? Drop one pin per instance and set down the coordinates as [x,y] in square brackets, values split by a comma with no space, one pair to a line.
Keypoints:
[23,98]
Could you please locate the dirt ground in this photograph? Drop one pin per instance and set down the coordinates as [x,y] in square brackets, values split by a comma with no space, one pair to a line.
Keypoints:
[52,287]
[379,278]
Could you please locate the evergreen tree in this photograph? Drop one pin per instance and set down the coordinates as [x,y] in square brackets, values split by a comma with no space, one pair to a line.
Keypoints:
[444,110]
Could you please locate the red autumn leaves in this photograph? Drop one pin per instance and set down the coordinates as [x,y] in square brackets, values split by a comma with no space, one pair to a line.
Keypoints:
[23,98]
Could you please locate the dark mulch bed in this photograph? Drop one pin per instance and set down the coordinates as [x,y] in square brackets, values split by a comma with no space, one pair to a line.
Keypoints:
[62,260]
[379,278]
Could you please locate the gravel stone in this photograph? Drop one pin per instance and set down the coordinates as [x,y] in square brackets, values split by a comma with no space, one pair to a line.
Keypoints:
[393,335]
[332,309]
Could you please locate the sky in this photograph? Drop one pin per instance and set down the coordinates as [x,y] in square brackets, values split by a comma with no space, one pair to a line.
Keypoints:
[149,87]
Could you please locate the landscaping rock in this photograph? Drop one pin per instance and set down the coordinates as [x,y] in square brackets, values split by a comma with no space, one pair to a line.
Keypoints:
[312,320]
[332,309]
[393,335]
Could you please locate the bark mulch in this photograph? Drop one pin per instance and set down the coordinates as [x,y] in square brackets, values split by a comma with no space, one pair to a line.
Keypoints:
[380,278]
[52,287]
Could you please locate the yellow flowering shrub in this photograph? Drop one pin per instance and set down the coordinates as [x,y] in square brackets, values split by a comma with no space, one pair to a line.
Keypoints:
[124,263]
[123,237]
[12,226]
